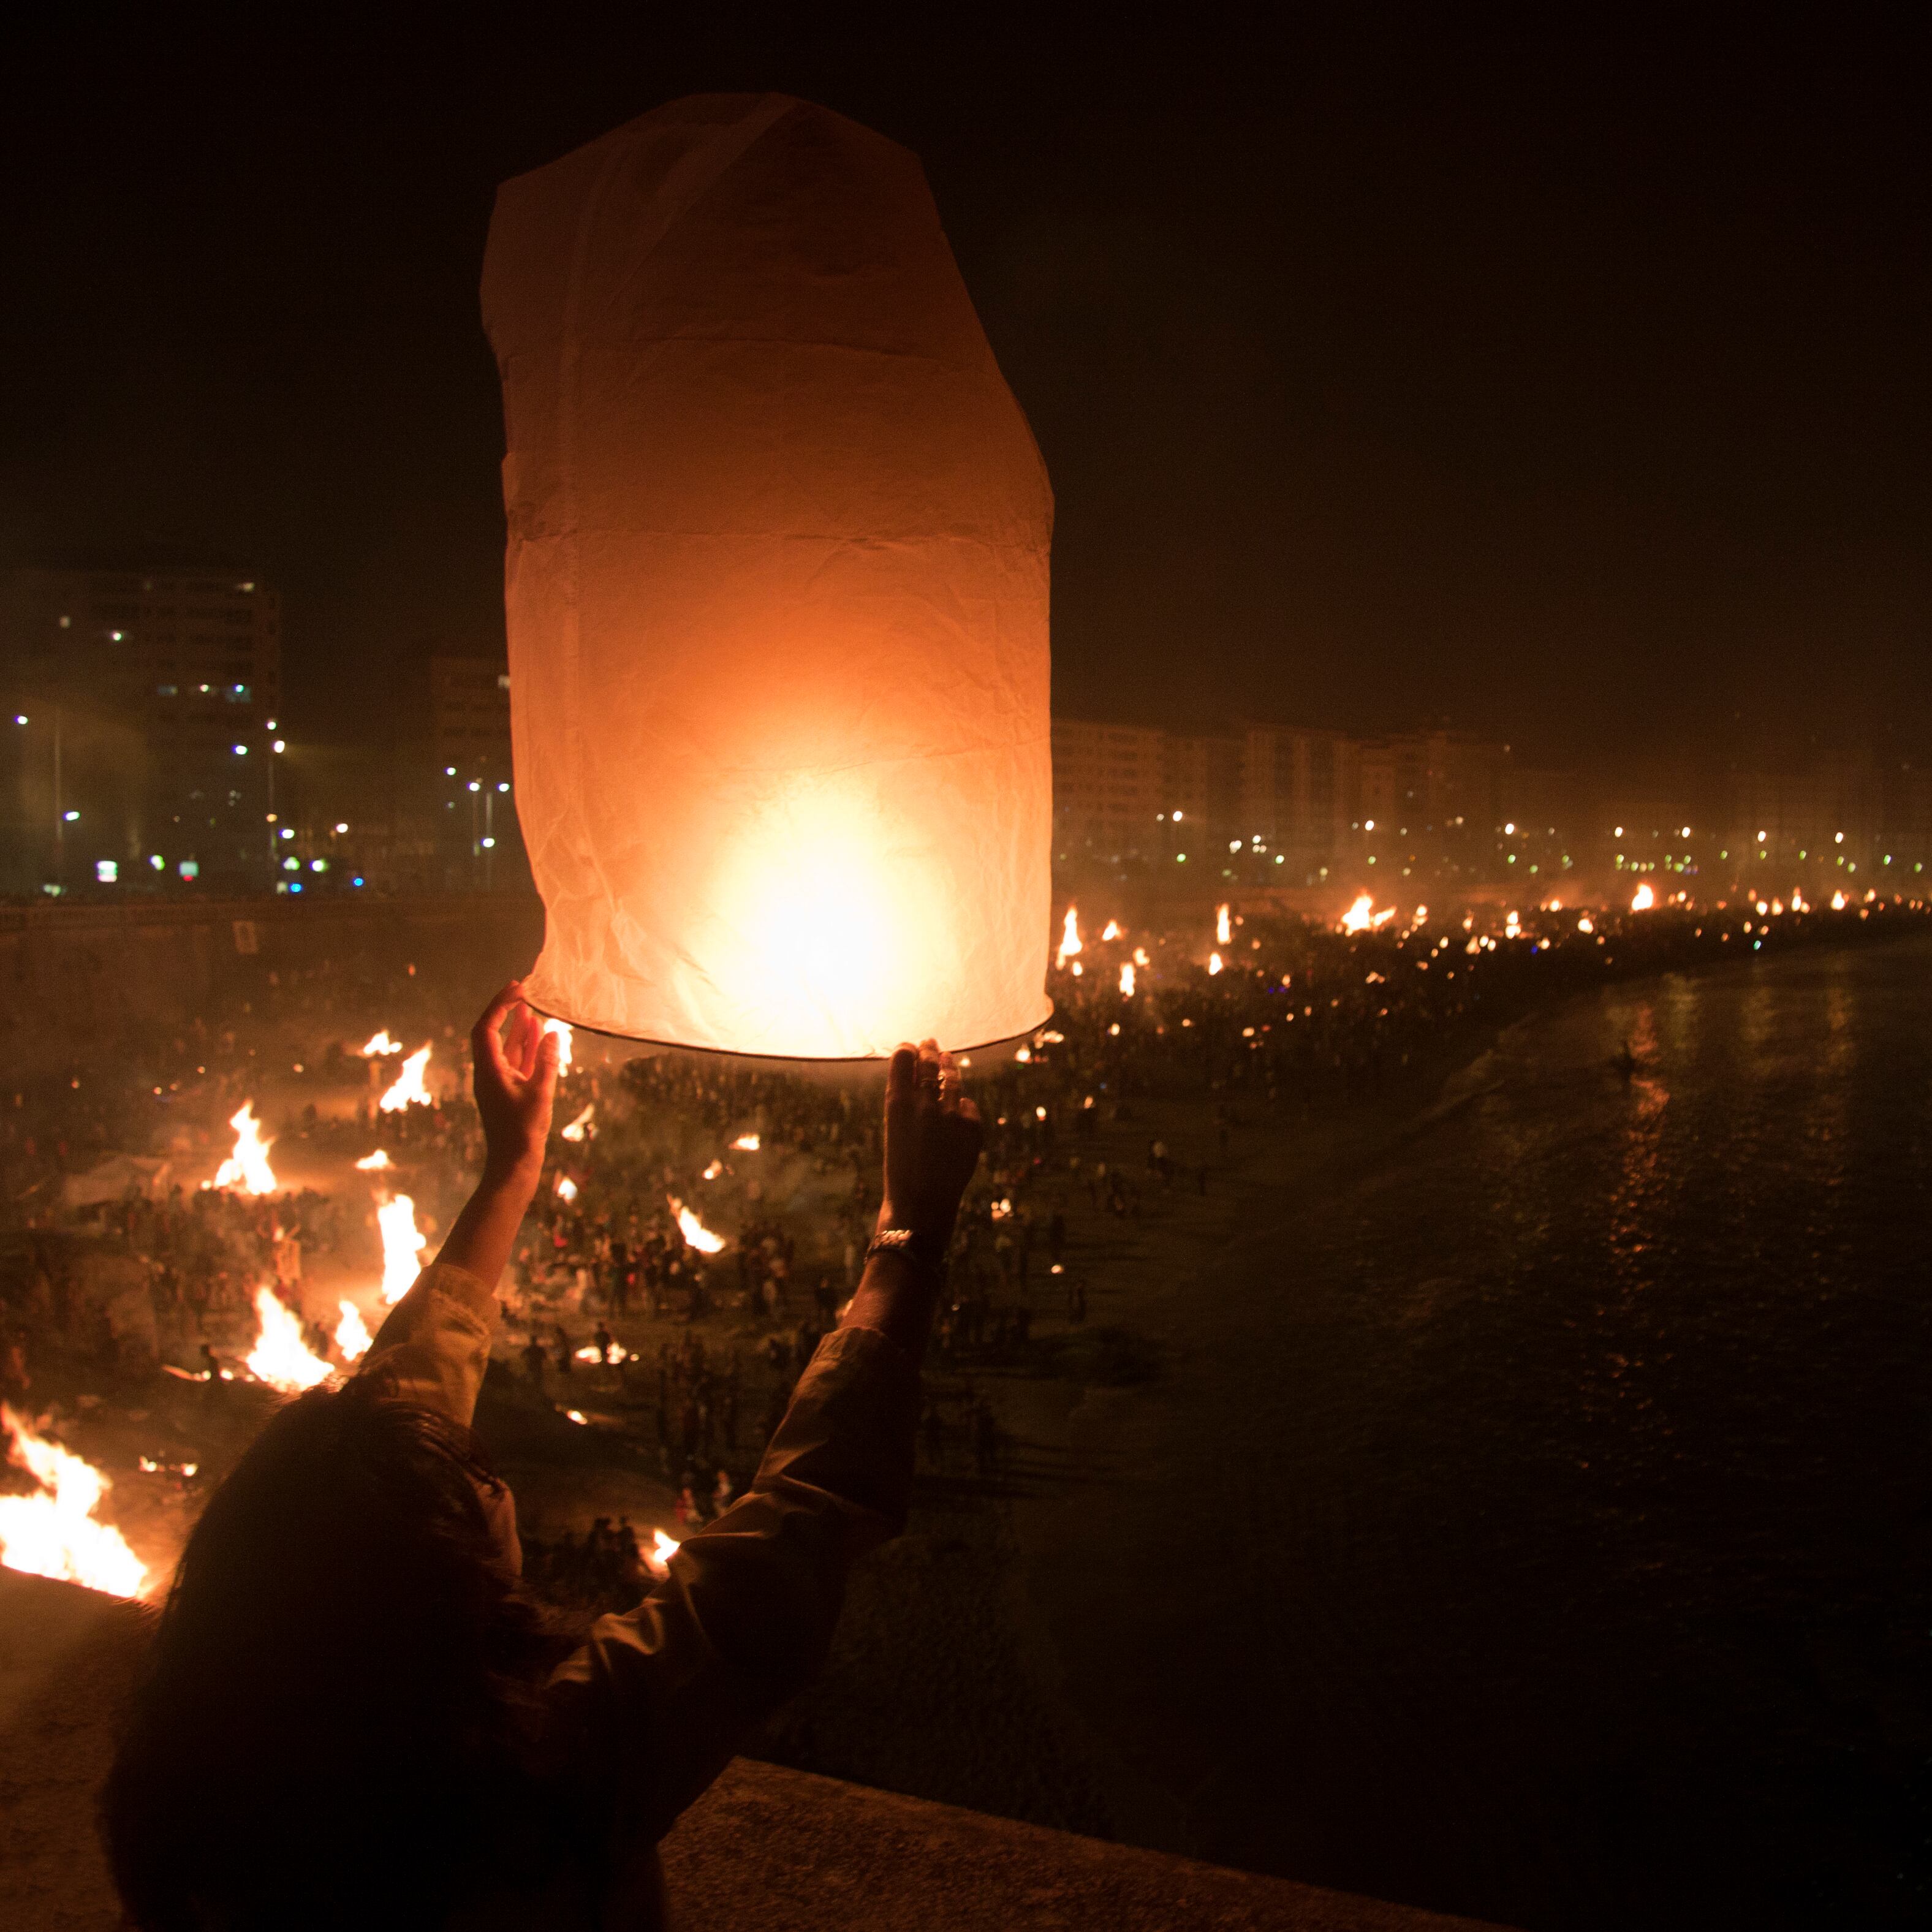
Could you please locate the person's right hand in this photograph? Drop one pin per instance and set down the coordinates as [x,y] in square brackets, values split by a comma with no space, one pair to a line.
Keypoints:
[516,1083]
[933,1139]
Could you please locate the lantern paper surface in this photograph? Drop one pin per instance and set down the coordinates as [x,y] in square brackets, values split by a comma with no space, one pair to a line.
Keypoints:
[777,595]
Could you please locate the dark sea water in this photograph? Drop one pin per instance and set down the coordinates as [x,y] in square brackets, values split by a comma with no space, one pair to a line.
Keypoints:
[1546,1498]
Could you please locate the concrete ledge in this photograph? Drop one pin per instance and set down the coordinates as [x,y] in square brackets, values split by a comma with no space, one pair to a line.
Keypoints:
[766,1850]
[784,1851]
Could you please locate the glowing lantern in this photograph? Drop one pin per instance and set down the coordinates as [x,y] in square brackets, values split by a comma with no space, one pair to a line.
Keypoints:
[777,595]
[1224,933]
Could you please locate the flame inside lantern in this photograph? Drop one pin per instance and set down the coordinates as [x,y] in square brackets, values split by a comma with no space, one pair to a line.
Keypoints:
[403,1244]
[657,1558]
[280,1357]
[746,1144]
[381,1045]
[352,1332]
[1642,899]
[247,1168]
[1070,936]
[409,1091]
[565,1036]
[53,1532]
[1127,979]
[694,1232]
[374,1163]
[579,1127]
[1224,931]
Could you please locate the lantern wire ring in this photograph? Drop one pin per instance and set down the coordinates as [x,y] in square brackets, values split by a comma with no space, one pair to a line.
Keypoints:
[786,1059]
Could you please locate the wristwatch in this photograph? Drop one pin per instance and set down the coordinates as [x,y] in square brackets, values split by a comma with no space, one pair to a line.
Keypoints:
[926,1250]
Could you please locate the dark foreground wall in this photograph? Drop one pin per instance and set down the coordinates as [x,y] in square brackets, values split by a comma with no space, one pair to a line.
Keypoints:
[777,1850]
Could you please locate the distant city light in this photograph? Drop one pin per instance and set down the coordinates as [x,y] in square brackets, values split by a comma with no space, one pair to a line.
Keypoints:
[20,718]
[292,865]
[155,860]
[189,869]
[342,828]
[357,881]
[71,817]
[449,771]
[271,724]
[288,832]
[106,871]
[280,746]
[503,785]
[241,751]
[294,885]
[474,786]
[488,844]
[318,865]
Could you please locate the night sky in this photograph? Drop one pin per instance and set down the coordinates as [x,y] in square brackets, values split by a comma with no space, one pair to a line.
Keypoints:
[1565,379]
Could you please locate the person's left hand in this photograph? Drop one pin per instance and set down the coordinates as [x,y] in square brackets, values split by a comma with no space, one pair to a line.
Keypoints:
[516,1084]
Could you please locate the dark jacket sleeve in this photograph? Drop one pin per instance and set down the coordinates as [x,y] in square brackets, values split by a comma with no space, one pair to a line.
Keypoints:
[653,1706]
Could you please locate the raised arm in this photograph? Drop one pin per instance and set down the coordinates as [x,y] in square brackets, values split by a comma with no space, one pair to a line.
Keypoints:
[515,1084]
[435,1346]
[658,1700]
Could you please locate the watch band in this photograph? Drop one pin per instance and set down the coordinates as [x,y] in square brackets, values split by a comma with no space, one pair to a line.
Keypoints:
[923,1249]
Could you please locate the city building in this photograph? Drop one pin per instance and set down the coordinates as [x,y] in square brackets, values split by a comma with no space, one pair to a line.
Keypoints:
[145,708]
[1109,786]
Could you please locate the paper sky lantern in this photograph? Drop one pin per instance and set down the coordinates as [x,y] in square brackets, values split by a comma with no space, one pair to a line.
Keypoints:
[777,594]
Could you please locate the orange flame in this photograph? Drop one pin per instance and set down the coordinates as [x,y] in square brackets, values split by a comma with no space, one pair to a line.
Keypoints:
[694,1232]
[1360,916]
[657,1558]
[1127,979]
[1224,932]
[409,1091]
[54,1533]
[281,1357]
[566,1188]
[746,1144]
[1214,963]
[1070,936]
[711,1172]
[1111,930]
[381,1045]
[1642,899]
[580,1127]
[247,1168]
[564,1037]
[352,1332]
[403,1244]
[374,1163]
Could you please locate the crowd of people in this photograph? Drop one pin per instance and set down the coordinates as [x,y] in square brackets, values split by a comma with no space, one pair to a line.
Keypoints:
[702,1222]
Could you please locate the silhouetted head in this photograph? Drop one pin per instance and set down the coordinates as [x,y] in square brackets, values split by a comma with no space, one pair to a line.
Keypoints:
[336,1729]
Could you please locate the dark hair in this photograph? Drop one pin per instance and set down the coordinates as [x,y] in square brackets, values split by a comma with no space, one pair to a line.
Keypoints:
[337,1726]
